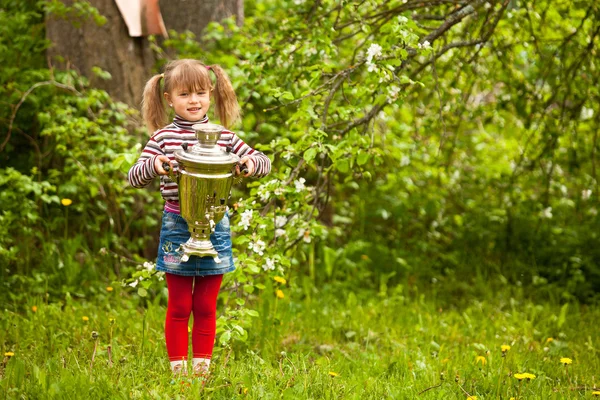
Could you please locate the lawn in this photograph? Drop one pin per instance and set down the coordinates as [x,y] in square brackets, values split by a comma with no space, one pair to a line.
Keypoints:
[362,345]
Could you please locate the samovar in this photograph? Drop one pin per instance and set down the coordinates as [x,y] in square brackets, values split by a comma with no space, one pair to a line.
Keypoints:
[205,176]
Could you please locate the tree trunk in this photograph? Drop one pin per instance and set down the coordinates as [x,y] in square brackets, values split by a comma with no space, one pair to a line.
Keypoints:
[128,59]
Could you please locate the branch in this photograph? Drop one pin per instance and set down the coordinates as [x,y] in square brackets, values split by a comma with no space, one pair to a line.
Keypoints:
[27,93]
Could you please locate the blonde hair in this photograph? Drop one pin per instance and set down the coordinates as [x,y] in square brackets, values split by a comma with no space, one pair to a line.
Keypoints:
[194,76]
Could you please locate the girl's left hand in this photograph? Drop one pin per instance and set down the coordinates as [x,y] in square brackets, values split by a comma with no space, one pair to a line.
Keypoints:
[249,165]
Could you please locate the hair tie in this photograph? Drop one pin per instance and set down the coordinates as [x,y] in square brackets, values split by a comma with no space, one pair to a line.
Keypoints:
[208,67]
[162,75]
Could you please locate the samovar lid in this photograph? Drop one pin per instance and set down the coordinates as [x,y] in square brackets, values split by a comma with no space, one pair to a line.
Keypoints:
[206,151]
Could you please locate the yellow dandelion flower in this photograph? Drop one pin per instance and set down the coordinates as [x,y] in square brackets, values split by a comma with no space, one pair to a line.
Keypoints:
[34,308]
[566,361]
[333,374]
[66,202]
[245,390]
[109,289]
[505,348]
[480,359]
[111,320]
[529,376]
[9,354]
[280,280]
[279,294]
[596,393]
[85,318]
[549,340]
[519,376]
[472,398]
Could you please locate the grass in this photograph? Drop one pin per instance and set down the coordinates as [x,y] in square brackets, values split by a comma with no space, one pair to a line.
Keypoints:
[352,346]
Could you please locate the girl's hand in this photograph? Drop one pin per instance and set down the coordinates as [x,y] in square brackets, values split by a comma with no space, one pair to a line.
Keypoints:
[249,165]
[158,165]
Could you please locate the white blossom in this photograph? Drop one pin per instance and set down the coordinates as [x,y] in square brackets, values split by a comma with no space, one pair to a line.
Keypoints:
[269,264]
[280,221]
[393,91]
[148,266]
[258,247]
[404,161]
[585,194]
[373,51]
[245,219]
[546,213]
[586,113]
[402,19]
[279,191]
[299,183]
[134,283]
[425,45]
[279,232]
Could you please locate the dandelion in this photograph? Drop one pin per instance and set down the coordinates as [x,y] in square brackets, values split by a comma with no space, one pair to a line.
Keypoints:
[34,308]
[279,294]
[95,335]
[549,340]
[333,374]
[566,361]
[85,318]
[505,348]
[480,359]
[528,376]
[109,289]
[9,354]
[519,376]
[111,320]
[66,202]
[280,280]
[472,398]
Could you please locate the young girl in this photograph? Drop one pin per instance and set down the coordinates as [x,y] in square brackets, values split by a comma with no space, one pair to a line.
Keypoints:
[193,285]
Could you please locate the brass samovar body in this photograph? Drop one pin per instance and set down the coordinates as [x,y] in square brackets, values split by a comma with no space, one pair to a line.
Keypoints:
[205,176]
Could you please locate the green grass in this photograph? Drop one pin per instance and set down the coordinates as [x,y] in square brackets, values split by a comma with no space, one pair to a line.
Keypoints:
[355,346]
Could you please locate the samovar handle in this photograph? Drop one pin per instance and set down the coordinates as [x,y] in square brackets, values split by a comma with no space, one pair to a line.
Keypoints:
[167,167]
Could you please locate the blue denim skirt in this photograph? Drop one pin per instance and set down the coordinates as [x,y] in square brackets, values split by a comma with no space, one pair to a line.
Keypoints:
[174,232]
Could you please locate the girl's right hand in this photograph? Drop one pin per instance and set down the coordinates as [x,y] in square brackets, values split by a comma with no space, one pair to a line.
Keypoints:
[158,165]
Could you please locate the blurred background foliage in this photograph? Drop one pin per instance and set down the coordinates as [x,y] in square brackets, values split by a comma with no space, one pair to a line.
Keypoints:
[415,145]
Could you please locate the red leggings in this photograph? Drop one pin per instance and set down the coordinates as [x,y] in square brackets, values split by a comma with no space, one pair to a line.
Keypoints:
[189,294]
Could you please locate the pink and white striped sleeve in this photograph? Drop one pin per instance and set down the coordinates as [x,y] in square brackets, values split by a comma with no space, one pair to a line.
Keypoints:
[262,163]
[142,172]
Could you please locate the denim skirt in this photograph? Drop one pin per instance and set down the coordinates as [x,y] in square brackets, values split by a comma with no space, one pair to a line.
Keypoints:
[174,232]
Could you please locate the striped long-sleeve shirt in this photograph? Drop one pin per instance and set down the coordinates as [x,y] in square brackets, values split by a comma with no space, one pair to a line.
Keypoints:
[170,138]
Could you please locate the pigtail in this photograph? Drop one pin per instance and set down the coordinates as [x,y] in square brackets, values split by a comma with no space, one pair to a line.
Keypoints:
[153,109]
[227,108]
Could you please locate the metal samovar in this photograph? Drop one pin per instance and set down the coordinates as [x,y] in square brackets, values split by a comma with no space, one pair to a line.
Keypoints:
[206,173]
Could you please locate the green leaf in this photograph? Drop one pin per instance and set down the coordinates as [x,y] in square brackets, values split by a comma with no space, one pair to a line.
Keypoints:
[310,154]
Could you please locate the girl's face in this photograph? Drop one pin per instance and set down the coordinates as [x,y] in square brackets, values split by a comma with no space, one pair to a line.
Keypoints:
[189,105]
